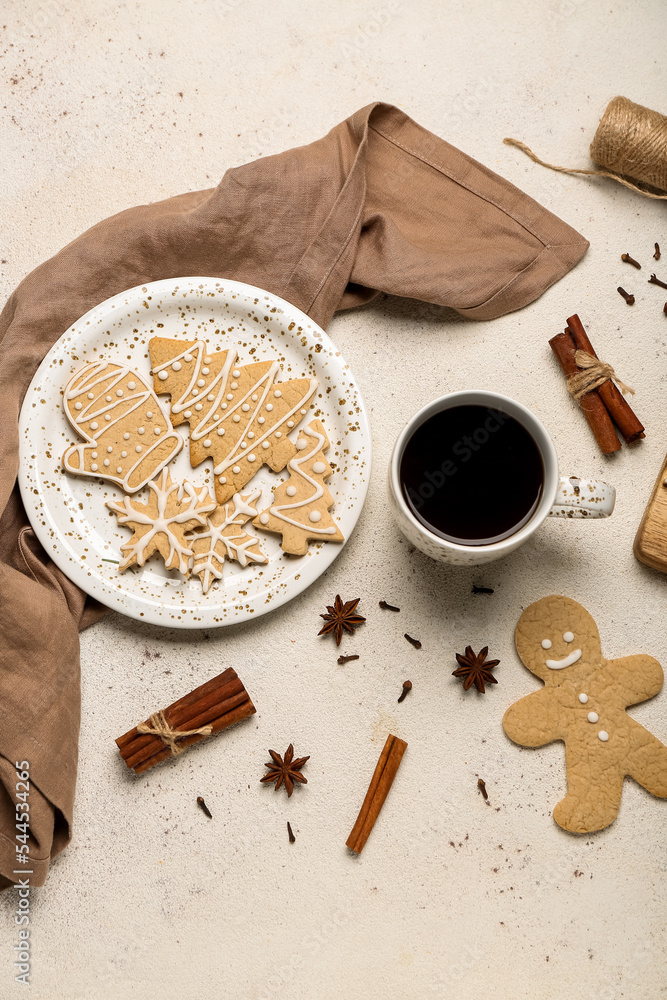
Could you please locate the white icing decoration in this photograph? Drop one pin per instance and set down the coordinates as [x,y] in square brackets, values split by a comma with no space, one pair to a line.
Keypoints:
[602,735]
[583,698]
[251,434]
[207,443]
[108,399]
[138,449]
[132,385]
[94,467]
[278,434]
[109,449]
[187,414]
[126,436]
[93,454]
[187,356]
[198,407]
[107,463]
[107,416]
[91,395]
[265,445]
[123,454]
[119,468]
[94,425]
[593,716]
[251,458]
[303,412]
[236,470]
[315,515]
[277,393]
[163,376]
[207,360]
[568,636]
[149,414]
[157,430]
[204,371]
[291,491]
[119,392]
[217,388]
[264,518]
[193,509]
[208,564]
[201,383]
[222,480]
[221,431]
[567,662]
[141,430]
[546,643]
[77,406]
[319,468]
[290,423]
[177,366]
[295,466]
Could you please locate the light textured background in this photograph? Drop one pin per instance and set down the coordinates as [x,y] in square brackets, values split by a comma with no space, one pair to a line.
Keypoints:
[102,109]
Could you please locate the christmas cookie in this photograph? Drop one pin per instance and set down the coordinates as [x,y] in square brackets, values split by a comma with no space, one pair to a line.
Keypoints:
[128,437]
[224,536]
[238,414]
[160,524]
[583,703]
[300,508]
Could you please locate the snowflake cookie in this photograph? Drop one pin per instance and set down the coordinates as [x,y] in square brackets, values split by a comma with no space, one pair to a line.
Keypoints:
[160,524]
[224,536]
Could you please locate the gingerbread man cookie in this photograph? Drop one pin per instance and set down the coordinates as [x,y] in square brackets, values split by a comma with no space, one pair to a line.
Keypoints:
[238,414]
[583,703]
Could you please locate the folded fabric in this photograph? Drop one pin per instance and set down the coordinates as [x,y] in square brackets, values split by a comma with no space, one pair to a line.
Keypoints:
[379,204]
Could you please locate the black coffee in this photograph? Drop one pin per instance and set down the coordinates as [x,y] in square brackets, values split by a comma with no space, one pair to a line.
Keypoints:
[472,475]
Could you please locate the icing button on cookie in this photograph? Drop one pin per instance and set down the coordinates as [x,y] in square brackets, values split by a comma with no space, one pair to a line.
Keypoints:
[602,735]
[583,698]
[593,716]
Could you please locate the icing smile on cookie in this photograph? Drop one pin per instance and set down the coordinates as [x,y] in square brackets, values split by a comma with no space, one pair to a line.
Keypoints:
[566,662]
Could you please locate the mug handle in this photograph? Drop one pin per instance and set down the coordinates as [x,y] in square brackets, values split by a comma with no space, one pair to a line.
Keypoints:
[583,498]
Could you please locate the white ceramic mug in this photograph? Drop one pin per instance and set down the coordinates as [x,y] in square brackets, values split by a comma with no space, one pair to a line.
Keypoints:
[562,496]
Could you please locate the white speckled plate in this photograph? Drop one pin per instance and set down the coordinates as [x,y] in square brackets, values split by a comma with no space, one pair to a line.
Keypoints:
[68,512]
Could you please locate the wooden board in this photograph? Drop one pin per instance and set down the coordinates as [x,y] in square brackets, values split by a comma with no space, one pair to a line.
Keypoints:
[651,539]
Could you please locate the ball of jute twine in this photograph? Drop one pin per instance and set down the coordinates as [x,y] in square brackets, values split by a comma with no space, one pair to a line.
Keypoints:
[630,142]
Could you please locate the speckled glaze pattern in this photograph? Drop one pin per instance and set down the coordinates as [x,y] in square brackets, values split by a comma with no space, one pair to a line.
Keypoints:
[68,513]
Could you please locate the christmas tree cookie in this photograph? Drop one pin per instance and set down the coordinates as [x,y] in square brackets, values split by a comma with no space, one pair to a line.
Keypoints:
[238,414]
[300,508]
[224,536]
[160,524]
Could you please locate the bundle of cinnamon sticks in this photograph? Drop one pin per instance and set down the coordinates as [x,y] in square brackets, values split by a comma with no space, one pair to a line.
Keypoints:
[603,406]
[211,707]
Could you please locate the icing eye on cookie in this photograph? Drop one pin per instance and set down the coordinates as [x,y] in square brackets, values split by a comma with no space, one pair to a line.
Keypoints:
[546,643]
[568,636]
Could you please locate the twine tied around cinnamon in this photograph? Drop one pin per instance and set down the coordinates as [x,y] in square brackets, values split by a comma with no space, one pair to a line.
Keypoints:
[592,375]
[630,141]
[158,726]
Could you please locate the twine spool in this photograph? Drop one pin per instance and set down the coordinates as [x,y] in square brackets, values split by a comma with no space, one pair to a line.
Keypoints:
[630,142]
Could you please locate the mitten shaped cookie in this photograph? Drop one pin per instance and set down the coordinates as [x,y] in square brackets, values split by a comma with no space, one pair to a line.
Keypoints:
[583,703]
[300,508]
[129,438]
[160,524]
[238,415]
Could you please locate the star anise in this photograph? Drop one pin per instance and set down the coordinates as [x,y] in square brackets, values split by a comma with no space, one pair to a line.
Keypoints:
[285,769]
[341,618]
[474,668]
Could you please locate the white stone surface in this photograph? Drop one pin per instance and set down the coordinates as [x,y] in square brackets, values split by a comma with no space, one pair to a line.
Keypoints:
[107,106]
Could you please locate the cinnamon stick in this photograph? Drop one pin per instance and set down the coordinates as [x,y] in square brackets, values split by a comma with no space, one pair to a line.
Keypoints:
[617,406]
[218,703]
[381,782]
[592,406]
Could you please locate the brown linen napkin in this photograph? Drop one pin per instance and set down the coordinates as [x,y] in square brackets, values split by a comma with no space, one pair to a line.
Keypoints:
[379,204]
